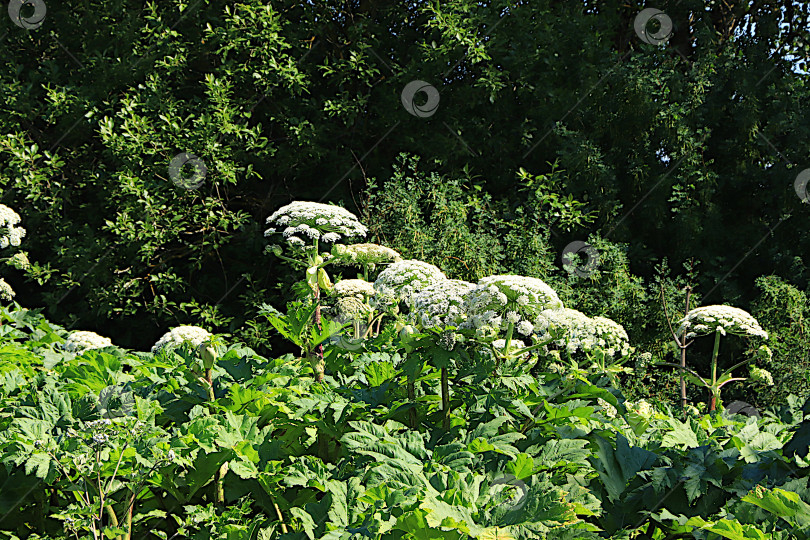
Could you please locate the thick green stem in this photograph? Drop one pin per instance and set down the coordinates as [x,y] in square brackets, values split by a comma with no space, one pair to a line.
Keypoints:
[219,478]
[509,331]
[129,518]
[221,472]
[316,356]
[113,518]
[713,403]
[209,378]
[445,399]
[683,350]
[280,518]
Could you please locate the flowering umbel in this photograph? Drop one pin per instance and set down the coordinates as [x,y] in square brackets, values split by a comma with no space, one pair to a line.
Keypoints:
[10,234]
[402,280]
[302,222]
[83,340]
[441,304]
[182,334]
[723,319]
[358,288]
[6,292]
[497,301]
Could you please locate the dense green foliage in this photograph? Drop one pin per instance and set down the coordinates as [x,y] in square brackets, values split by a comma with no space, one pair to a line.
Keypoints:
[85,437]
[347,415]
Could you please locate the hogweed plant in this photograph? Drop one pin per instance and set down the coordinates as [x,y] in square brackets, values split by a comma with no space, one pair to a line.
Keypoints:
[720,321]
[207,347]
[439,308]
[508,304]
[305,226]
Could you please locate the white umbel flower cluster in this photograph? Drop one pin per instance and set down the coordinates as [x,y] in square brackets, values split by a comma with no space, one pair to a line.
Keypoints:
[6,292]
[83,340]
[10,234]
[359,288]
[498,300]
[301,222]
[724,319]
[360,254]
[182,334]
[583,333]
[611,336]
[402,280]
[441,304]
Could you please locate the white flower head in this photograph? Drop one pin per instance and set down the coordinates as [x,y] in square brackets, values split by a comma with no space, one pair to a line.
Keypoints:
[6,292]
[326,222]
[441,304]
[582,333]
[498,300]
[10,234]
[402,280]
[722,319]
[83,340]
[525,328]
[182,334]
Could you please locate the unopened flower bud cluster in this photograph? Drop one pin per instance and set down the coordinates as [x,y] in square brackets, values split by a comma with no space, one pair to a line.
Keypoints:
[361,254]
